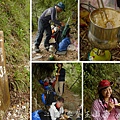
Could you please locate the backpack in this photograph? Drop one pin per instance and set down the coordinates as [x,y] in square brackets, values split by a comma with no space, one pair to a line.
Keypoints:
[41,115]
[35,115]
[44,115]
[48,97]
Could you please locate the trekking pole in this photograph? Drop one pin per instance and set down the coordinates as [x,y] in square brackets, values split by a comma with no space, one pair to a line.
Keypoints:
[74,82]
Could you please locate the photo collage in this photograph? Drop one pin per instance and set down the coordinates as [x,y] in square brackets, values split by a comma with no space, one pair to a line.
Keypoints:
[60,60]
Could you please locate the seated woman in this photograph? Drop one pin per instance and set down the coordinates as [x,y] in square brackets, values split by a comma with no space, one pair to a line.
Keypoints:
[106,106]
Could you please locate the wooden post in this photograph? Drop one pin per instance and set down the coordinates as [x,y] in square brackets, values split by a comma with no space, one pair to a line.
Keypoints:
[4,87]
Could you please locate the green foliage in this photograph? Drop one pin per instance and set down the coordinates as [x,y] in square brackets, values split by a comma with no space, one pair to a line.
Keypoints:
[93,74]
[38,6]
[14,22]
[73,77]
[40,71]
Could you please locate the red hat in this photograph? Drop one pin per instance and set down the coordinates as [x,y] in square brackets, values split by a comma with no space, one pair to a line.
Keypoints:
[104,84]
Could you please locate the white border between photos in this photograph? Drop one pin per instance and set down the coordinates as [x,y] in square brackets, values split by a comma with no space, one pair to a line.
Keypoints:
[30,59]
[78,61]
[78,30]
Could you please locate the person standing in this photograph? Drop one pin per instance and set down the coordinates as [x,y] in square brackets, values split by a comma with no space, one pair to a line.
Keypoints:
[48,15]
[60,79]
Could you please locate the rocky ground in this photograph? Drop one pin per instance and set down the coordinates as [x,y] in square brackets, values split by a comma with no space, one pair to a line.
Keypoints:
[71,55]
[19,108]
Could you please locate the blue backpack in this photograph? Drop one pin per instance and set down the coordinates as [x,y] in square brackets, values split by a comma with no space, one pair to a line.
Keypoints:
[35,115]
[48,97]
[41,115]
[64,44]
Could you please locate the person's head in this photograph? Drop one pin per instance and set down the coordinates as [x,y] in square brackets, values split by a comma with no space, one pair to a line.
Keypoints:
[104,89]
[60,102]
[59,65]
[60,7]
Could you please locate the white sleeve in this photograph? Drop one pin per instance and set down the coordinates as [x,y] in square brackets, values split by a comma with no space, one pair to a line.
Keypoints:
[54,114]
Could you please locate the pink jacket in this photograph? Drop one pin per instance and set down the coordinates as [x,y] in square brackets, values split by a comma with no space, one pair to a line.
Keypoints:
[98,111]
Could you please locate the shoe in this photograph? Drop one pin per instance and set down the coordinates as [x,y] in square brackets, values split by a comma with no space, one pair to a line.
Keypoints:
[36,49]
[47,48]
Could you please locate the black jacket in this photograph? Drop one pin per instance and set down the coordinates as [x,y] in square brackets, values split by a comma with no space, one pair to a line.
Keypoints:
[62,75]
[118,3]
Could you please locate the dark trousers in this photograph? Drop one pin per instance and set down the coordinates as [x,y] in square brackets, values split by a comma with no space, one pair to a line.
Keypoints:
[42,26]
[118,3]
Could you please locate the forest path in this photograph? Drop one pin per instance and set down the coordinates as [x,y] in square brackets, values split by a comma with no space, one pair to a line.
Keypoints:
[44,55]
[19,107]
[71,100]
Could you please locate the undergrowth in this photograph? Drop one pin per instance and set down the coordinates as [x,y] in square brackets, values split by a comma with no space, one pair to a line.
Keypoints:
[14,22]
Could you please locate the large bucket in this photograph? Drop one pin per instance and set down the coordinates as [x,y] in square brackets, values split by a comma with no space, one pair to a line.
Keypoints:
[100,34]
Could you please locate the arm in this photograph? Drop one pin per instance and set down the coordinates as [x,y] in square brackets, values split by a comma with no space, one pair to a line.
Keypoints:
[97,113]
[53,17]
[54,114]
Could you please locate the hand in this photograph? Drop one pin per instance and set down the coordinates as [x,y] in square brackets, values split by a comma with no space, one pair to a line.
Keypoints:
[62,24]
[57,73]
[65,110]
[110,106]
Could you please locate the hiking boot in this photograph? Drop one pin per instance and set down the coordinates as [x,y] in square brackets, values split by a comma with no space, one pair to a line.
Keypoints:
[36,49]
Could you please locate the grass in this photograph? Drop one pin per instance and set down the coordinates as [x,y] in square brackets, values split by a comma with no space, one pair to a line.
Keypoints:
[14,22]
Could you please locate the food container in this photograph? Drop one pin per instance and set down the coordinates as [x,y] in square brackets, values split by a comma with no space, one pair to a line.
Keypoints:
[104,32]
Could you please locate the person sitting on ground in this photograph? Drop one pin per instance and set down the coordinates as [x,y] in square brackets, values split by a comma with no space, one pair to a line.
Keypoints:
[47,80]
[52,81]
[44,25]
[106,107]
[56,109]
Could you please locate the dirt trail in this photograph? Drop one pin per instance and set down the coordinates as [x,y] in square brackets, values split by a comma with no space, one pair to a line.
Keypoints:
[71,100]
[19,108]
[44,55]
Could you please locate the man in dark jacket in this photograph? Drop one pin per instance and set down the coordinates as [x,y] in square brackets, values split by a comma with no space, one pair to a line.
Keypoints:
[48,15]
[60,79]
